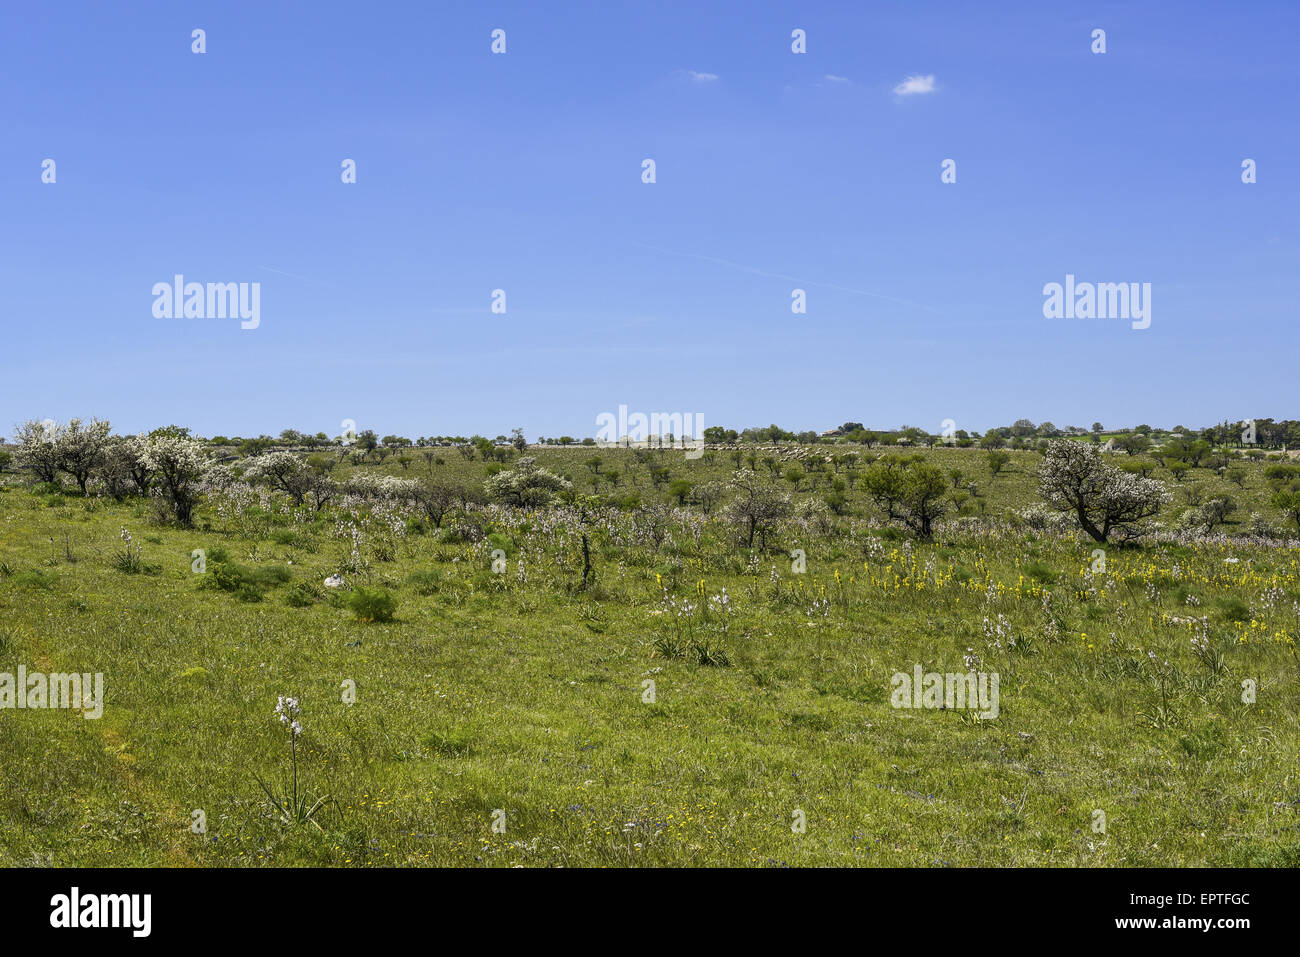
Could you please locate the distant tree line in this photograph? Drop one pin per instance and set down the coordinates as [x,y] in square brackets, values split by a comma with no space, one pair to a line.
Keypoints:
[1263,433]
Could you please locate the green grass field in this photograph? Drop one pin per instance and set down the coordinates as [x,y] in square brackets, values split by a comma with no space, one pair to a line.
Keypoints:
[504,718]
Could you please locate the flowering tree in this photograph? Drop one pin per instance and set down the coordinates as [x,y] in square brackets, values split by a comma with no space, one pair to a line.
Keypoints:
[371,486]
[38,448]
[1103,499]
[178,464]
[119,467]
[284,471]
[80,449]
[525,485]
[141,473]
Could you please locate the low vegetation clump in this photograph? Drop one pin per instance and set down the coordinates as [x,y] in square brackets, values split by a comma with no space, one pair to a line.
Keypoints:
[244,582]
[372,604]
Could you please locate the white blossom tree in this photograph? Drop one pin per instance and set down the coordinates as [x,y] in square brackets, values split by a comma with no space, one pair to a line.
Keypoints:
[178,464]
[38,448]
[80,448]
[1103,499]
[141,473]
[284,471]
[369,485]
[525,485]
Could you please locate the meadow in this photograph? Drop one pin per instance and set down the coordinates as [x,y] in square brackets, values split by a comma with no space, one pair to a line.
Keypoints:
[617,678]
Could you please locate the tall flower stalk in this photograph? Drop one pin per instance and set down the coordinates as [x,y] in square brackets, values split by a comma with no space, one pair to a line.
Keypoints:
[293,810]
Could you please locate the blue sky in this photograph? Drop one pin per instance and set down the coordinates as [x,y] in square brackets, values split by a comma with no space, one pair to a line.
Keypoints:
[523,172]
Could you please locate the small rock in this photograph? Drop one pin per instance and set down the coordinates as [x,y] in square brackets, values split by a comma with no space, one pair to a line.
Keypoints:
[334,581]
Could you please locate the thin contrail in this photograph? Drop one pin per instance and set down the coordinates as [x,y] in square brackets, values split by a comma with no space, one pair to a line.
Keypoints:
[777,275]
[292,275]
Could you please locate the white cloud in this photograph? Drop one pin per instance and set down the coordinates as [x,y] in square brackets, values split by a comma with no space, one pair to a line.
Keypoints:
[915,84]
[831,77]
[701,77]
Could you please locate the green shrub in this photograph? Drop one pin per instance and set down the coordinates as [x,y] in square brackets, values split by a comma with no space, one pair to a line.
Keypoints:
[372,604]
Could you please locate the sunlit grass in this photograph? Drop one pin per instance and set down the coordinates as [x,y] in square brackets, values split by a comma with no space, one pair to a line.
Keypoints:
[524,693]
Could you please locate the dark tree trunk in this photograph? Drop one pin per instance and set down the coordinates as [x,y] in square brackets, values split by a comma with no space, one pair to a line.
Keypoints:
[586,560]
